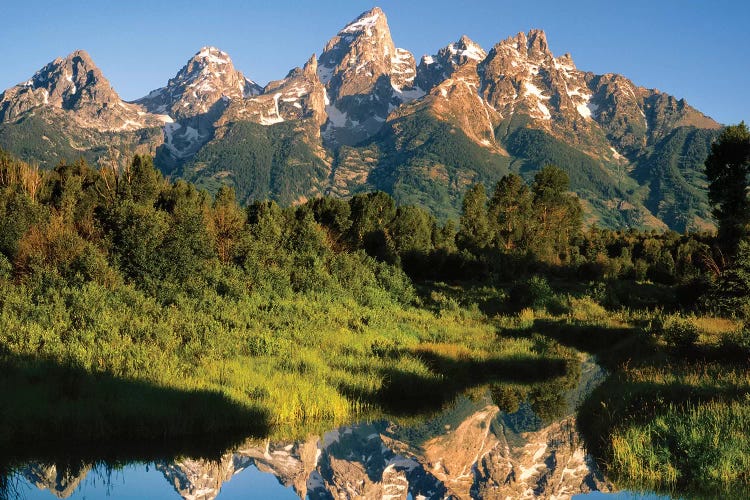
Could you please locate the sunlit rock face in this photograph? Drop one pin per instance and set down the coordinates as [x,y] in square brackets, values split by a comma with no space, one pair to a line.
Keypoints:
[366,77]
[207,79]
[194,99]
[74,87]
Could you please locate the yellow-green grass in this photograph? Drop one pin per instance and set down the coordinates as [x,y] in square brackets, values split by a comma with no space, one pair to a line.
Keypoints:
[293,361]
[670,419]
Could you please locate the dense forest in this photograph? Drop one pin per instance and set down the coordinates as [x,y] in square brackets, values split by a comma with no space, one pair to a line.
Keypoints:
[133,306]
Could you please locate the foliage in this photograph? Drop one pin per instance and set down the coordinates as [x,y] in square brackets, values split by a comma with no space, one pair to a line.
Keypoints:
[260,162]
[727,170]
[680,333]
[327,311]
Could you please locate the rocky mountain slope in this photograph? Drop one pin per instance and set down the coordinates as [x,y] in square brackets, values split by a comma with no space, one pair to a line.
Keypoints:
[364,115]
[68,110]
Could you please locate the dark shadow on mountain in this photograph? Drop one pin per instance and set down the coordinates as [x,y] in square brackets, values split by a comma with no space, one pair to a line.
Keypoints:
[169,163]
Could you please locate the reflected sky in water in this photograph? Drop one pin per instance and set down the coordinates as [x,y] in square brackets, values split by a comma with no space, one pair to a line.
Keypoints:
[140,481]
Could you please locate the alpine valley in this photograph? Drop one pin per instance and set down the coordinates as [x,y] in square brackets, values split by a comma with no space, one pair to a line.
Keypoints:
[366,115]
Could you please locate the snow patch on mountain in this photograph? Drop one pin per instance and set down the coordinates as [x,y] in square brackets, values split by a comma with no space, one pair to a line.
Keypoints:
[471,51]
[364,23]
[214,55]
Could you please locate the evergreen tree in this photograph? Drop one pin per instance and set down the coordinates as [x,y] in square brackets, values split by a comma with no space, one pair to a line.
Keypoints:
[558,214]
[333,215]
[730,294]
[474,233]
[228,221]
[727,169]
[411,230]
[145,180]
[510,213]
[370,214]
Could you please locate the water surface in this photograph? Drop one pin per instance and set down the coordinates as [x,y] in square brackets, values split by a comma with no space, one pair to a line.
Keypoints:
[495,442]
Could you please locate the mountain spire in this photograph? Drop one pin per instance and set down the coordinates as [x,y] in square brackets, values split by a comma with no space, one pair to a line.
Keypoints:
[207,79]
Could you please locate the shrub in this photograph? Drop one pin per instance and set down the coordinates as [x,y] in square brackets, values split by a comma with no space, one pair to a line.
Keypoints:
[526,318]
[737,342]
[587,309]
[681,333]
[535,293]
[443,302]
[655,327]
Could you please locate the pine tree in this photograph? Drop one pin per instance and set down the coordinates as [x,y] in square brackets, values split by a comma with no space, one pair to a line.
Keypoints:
[730,294]
[558,214]
[474,233]
[727,169]
[510,213]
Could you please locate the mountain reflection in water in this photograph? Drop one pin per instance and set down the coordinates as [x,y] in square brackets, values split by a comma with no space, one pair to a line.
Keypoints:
[474,449]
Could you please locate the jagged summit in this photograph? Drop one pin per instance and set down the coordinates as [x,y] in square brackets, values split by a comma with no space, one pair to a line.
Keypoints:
[366,77]
[467,48]
[206,80]
[367,22]
[435,69]
[70,83]
[212,55]
[365,46]
[74,85]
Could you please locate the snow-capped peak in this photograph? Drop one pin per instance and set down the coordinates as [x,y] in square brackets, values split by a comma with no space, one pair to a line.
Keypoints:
[465,47]
[213,55]
[365,22]
[208,78]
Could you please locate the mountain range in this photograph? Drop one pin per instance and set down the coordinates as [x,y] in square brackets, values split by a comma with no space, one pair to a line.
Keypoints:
[366,115]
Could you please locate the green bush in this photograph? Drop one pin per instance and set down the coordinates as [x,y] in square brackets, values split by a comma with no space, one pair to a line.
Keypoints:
[681,333]
[737,342]
[535,293]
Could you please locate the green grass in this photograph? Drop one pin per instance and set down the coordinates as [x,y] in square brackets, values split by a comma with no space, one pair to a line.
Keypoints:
[293,362]
[97,361]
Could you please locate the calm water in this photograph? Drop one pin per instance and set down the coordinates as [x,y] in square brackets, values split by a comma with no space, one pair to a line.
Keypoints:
[500,442]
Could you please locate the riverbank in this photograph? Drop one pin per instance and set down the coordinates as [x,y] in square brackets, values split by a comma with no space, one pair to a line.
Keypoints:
[126,367]
[670,416]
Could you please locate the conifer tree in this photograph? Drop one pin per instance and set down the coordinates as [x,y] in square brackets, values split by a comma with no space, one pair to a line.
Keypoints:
[727,169]
[474,233]
[558,214]
[510,213]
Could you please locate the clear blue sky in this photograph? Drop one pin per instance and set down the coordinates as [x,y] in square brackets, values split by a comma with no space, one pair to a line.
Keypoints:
[699,50]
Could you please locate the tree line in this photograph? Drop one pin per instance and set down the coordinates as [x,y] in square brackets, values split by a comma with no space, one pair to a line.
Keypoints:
[76,223]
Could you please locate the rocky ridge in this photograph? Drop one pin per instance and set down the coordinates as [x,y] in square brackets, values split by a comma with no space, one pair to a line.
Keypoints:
[208,78]
[76,88]
[365,77]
